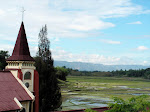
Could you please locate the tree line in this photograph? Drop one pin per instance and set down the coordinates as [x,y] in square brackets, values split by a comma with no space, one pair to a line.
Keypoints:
[145,73]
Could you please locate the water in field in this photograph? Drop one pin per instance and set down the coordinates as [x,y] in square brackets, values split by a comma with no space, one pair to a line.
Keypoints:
[82,93]
[83,101]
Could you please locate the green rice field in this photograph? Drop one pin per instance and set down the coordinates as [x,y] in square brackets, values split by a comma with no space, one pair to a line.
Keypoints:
[80,92]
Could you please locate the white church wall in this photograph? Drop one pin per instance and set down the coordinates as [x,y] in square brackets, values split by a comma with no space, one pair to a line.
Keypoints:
[29,81]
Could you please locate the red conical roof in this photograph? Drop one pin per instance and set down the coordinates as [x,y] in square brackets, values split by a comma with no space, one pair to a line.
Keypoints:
[21,50]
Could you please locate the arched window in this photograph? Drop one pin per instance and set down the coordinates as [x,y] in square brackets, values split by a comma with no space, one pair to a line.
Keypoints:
[27,76]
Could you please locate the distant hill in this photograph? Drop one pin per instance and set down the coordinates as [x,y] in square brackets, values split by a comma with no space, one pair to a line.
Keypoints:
[97,67]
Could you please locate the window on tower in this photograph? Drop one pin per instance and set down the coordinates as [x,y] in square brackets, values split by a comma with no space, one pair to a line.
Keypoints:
[27,76]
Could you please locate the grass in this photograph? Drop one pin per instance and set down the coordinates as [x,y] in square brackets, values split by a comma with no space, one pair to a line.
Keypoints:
[104,87]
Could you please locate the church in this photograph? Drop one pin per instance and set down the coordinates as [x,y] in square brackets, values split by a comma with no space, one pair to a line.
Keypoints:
[19,82]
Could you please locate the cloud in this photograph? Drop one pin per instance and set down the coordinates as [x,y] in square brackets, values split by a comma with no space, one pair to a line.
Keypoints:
[86,23]
[9,48]
[64,18]
[33,50]
[2,12]
[145,62]
[115,8]
[137,22]
[6,47]
[110,41]
[62,55]
[142,48]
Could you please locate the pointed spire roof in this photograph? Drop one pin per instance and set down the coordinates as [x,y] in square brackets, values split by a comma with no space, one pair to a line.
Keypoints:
[21,50]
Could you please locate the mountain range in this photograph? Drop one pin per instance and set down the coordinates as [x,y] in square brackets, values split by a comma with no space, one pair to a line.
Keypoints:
[81,66]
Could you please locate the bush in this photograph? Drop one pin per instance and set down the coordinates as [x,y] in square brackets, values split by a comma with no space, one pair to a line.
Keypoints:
[134,104]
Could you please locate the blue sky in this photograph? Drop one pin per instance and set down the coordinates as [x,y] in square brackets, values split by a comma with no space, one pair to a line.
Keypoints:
[107,32]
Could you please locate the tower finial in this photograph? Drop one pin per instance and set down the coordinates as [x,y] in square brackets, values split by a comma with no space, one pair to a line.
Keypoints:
[23,12]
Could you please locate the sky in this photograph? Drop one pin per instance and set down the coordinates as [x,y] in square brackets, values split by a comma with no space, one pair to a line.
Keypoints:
[110,32]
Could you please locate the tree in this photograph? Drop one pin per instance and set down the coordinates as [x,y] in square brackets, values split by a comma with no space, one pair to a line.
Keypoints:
[3,56]
[61,73]
[50,96]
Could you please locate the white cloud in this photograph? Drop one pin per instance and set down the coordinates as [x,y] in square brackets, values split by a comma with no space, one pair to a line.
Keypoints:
[1,12]
[103,8]
[6,47]
[62,55]
[61,16]
[142,48]
[64,18]
[59,54]
[10,48]
[33,50]
[137,22]
[86,23]
[145,62]
[110,41]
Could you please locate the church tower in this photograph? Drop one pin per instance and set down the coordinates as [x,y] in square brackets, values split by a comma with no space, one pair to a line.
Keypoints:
[21,65]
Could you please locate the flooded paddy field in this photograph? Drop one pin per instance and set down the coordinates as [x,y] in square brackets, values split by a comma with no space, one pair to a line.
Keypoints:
[80,92]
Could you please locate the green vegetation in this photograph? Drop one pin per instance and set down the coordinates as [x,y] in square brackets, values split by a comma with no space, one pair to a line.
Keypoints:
[3,56]
[134,104]
[144,73]
[61,73]
[89,73]
[109,86]
[100,90]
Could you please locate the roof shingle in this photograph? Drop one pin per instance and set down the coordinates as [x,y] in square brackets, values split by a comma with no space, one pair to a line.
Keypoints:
[9,89]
